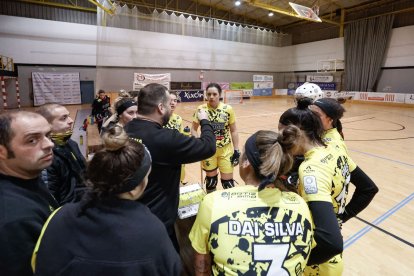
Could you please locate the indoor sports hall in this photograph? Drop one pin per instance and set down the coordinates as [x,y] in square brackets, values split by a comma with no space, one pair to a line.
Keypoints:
[359,52]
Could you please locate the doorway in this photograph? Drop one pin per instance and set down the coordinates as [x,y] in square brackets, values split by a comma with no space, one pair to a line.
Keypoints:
[87,92]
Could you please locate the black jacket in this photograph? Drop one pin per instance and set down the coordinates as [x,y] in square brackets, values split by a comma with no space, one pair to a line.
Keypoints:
[169,149]
[113,237]
[64,177]
[24,207]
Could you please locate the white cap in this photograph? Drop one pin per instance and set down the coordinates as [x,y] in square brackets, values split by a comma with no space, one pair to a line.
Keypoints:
[309,90]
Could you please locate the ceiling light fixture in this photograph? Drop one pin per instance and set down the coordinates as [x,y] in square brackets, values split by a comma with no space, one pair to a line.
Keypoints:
[237,3]
[271,14]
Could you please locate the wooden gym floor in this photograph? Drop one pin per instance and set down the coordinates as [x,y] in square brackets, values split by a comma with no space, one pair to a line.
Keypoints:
[380,139]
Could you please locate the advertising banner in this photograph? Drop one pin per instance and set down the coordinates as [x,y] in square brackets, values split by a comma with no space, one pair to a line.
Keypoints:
[262,78]
[382,97]
[318,78]
[263,92]
[60,88]
[409,98]
[142,79]
[190,95]
[263,84]
[223,85]
[174,85]
[330,93]
[322,85]
[241,85]
[247,93]
[281,91]
[291,88]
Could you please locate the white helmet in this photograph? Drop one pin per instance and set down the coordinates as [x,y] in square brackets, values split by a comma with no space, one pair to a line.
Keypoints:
[309,90]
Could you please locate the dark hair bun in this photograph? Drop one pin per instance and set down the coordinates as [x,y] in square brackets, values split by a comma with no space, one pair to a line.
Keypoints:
[304,103]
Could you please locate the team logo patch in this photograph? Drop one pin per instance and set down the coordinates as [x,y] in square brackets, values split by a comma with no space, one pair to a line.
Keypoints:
[309,182]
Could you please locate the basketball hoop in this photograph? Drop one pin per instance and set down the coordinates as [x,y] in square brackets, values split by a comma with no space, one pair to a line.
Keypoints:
[305,12]
[316,9]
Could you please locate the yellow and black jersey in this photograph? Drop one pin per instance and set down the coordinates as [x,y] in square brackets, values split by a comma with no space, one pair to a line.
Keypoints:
[333,138]
[221,118]
[254,233]
[324,175]
[175,122]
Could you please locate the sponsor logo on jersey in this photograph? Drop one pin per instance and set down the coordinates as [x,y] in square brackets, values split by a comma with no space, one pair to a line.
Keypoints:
[239,195]
[224,116]
[327,158]
[309,169]
[309,183]
[217,126]
[290,198]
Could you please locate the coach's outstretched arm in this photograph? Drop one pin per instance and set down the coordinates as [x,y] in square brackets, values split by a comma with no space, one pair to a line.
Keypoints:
[191,149]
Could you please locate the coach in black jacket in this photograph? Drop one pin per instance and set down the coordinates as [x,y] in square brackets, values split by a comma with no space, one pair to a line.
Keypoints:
[169,150]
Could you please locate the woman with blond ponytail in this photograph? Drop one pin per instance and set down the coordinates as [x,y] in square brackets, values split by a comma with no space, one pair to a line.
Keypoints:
[260,228]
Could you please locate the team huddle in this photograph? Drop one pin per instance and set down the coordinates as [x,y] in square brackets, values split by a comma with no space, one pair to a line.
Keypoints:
[116,214]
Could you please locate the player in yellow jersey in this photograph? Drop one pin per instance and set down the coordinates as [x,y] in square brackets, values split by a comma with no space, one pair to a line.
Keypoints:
[330,111]
[176,122]
[260,228]
[323,183]
[227,156]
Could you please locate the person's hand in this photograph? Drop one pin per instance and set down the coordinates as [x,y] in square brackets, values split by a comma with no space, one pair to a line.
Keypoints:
[234,159]
[202,114]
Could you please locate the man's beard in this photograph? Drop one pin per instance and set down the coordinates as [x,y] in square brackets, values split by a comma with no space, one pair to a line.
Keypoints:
[166,118]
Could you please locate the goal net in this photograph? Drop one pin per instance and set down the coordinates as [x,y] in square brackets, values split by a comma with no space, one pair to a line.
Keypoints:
[233,96]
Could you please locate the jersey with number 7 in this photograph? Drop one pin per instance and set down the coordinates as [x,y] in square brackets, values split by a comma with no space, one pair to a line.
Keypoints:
[254,233]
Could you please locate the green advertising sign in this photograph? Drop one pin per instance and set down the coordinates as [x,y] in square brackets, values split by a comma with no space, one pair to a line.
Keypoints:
[241,85]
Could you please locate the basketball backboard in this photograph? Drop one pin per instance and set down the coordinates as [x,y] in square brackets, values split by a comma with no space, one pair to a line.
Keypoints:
[329,65]
[305,12]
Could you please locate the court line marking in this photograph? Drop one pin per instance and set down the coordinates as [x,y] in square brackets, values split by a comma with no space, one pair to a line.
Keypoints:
[381,157]
[386,232]
[383,217]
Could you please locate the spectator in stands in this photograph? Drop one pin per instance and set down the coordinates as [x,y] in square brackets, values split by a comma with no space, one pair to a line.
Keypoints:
[25,202]
[64,177]
[101,108]
[110,232]
[169,149]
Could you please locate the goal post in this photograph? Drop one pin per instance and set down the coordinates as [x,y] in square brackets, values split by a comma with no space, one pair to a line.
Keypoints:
[233,96]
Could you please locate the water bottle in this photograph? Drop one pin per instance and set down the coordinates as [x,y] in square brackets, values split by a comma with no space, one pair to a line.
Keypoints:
[81,140]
